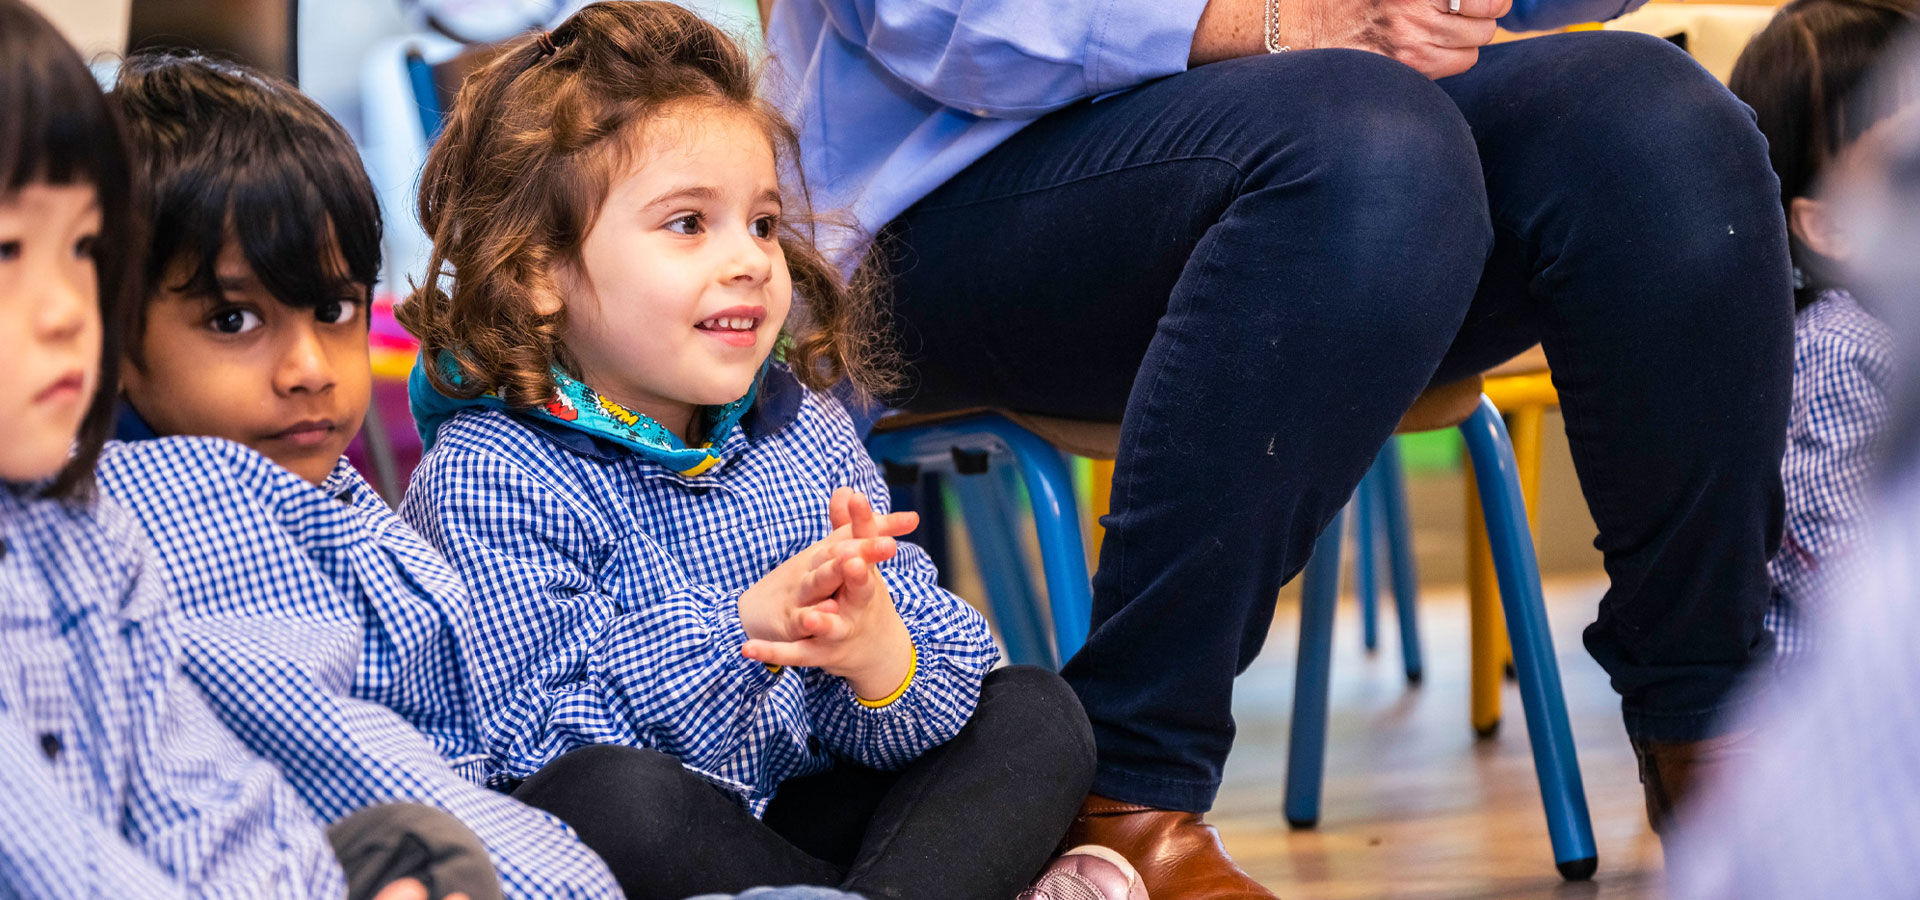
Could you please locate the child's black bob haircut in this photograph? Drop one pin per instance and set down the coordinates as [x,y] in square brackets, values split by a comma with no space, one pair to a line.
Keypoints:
[55,128]
[1805,77]
[232,154]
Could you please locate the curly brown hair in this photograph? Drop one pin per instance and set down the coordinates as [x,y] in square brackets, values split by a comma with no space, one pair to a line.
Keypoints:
[531,148]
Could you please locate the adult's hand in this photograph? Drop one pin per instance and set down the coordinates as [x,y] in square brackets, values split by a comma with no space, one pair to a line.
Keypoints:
[1423,34]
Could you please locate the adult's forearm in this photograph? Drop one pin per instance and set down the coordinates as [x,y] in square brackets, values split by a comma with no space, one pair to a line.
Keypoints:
[1229,29]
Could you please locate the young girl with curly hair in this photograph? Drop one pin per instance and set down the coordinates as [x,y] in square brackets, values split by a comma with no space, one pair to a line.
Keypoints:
[699,642]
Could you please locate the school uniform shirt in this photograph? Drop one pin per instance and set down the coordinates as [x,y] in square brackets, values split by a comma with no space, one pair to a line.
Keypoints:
[323,630]
[606,595]
[116,779]
[1842,368]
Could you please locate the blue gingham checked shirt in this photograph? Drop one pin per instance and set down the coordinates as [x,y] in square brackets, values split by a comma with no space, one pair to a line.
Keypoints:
[116,779]
[322,629]
[606,593]
[1826,802]
[1842,366]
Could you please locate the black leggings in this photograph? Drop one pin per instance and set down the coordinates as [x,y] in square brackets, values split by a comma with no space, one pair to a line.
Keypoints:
[973,819]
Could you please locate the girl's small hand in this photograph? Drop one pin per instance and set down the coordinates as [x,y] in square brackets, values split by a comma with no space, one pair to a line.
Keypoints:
[857,634]
[768,608]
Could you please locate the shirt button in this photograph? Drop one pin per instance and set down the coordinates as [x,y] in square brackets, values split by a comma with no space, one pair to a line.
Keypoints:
[50,745]
[698,490]
[980,111]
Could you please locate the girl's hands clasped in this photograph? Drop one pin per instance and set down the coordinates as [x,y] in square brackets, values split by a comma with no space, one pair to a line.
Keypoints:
[829,607]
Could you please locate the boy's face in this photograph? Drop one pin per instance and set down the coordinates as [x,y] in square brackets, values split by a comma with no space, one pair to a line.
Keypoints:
[49,325]
[292,383]
[682,286]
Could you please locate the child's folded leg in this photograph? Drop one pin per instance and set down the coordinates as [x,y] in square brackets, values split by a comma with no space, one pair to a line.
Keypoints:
[973,819]
[380,845]
[664,832]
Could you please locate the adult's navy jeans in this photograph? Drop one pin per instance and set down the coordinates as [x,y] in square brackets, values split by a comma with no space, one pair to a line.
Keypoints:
[1257,265]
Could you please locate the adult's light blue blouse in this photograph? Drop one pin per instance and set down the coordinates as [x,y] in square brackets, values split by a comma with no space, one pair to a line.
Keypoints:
[894,97]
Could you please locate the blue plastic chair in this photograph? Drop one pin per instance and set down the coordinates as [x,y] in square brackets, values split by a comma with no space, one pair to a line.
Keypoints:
[1568,824]
[1379,510]
[985,458]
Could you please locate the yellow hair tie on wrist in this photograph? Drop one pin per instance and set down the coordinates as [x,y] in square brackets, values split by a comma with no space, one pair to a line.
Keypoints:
[913,666]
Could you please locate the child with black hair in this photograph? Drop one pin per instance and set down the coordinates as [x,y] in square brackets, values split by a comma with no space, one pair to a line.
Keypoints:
[321,627]
[1804,76]
[120,780]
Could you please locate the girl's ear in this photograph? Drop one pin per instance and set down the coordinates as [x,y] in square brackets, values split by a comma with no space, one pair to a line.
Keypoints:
[1813,223]
[567,281]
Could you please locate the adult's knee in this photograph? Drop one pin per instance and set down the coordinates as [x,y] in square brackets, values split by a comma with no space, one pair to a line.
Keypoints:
[1347,114]
[1356,159]
[1637,115]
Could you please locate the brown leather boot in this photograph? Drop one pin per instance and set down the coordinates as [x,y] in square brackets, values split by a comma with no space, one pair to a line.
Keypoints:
[1178,856]
[1670,771]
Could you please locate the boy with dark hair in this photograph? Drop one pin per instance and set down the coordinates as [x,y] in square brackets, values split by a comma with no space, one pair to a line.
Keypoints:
[120,780]
[326,633]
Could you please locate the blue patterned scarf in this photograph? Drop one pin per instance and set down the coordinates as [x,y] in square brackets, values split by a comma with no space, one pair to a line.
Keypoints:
[581,408]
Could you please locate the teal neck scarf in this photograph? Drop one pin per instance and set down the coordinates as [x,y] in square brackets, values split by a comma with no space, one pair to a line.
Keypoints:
[581,408]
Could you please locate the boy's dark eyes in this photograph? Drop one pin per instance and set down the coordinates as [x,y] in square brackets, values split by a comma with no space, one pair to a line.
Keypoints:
[83,248]
[764,226]
[233,320]
[336,312]
[687,224]
[9,251]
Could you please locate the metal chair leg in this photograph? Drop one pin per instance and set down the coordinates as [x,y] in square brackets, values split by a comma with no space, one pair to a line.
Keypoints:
[1056,520]
[1504,509]
[1307,742]
[1364,509]
[992,519]
[1392,494]
[1049,485]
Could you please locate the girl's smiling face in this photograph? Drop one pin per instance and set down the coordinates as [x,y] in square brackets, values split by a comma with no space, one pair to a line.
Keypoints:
[49,324]
[681,287]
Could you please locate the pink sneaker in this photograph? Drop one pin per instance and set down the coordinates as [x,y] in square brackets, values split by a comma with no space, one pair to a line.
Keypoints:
[1087,872]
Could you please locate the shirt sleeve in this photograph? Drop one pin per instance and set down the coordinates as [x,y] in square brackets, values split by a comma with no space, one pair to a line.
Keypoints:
[1847,410]
[1017,59]
[1545,15]
[953,648]
[281,684]
[581,639]
[221,821]
[49,849]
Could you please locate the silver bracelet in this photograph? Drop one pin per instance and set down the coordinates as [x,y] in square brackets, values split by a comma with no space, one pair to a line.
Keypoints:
[1273,28]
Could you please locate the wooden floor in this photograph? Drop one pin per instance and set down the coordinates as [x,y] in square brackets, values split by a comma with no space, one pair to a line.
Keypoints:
[1415,806]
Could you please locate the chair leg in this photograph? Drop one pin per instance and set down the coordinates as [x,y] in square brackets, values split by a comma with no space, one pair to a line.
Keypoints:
[1307,742]
[1099,500]
[1364,510]
[1568,823]
[1485,625]
[1392,494]
[1056,520]
[1525,426]
[992,519]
